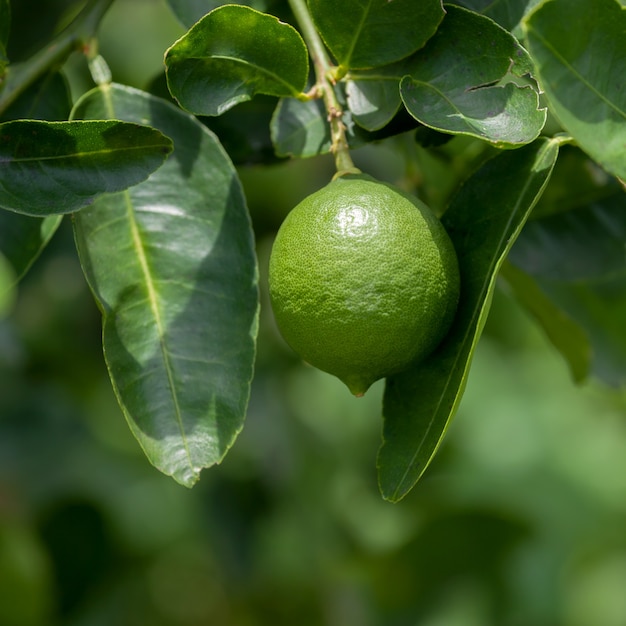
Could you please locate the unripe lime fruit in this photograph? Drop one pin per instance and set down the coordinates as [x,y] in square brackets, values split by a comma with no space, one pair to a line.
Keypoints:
[363,280]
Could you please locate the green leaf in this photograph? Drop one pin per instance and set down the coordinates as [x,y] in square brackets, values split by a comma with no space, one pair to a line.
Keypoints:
[472,78]
[48,99]
[7,286]
[588,243]
[579,53]
[171,262]
[232,54]
[60,167]
[22,238]
[300,129]
[483,221]
[599,307]
[562,331]
[507,13]
[374,96]
[369,33]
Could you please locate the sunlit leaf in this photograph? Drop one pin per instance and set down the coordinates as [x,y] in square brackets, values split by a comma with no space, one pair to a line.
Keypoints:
[171,263]
[60,167]
[578,49]
[483,221]
[189,12]
[232,54]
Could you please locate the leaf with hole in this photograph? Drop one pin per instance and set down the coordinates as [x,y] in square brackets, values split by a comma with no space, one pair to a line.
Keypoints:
[474,78]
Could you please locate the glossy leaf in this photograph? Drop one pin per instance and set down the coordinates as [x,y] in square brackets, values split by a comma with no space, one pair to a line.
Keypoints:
[467,80]
[374,97]
[483,223]
[22,237]
[232,54]
[171,263]
[369,33]
[579,52]
[60,167]
[562,331]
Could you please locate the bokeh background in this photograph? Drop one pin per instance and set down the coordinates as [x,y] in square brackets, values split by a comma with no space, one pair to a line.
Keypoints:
[520,520]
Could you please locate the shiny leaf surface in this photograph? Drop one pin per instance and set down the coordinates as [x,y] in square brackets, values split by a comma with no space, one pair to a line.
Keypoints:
[473,78]
[60,167]
[171,263]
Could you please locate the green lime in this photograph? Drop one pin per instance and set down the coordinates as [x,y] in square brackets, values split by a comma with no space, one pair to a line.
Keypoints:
[363,280]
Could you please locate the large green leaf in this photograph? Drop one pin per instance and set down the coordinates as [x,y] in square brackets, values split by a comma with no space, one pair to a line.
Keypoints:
[60,167]
[171,263]
[579,52]
[483,221]
[232,54]
[473,78]
[368,33]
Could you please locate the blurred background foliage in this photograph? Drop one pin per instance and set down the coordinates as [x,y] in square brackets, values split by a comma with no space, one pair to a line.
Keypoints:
[521,520]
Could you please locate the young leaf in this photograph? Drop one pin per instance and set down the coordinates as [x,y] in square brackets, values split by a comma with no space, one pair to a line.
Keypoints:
[369,33]
[231,54]
[579,52]
[60,167]
[483,221]
[467,80]
[562,331]
[7,286]
[171,263]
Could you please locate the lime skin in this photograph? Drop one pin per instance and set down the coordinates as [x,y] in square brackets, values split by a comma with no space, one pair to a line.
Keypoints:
[363,280]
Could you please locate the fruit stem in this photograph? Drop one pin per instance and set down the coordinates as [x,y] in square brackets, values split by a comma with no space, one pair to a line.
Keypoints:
[325,75]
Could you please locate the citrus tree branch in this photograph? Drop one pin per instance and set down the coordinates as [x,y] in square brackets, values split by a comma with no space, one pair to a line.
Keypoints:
[21,75]
[324,87]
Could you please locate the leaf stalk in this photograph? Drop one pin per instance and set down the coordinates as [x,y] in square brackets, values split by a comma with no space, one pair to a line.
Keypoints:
[325,75]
